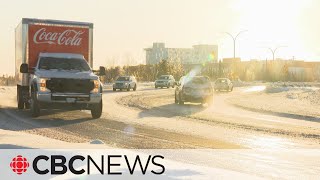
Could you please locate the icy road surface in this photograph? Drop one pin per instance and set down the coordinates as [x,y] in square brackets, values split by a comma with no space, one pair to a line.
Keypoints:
[149,119]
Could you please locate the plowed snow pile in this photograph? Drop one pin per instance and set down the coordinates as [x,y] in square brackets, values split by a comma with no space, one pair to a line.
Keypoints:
[286,99]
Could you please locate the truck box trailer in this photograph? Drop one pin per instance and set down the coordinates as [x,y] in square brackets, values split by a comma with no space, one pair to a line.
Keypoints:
[53,66]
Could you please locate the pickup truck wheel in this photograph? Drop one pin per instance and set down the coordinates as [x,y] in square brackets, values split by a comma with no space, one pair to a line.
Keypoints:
[128,89]
[175,99]
[135,87]
[180,100]
[156,87]
[35,106]
[114,89]
[96,110]
[27,105]
[19,99]
[231,89]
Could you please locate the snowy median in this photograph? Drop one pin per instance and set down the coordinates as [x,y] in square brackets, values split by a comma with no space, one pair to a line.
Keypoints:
[286,99]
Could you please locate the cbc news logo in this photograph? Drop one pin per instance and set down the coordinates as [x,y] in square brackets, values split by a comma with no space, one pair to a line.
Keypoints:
[19,164]
[105,164]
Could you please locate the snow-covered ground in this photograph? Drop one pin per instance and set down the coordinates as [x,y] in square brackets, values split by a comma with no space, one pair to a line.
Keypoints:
[286,98]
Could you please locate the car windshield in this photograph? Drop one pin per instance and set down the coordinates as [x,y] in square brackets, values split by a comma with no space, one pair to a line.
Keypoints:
[164,77]
[49,63]
[221,80]
[199,80]
[196,80]
[123,79]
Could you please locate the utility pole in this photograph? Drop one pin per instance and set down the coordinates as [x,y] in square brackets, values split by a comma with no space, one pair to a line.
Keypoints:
[267,74]
[234,38]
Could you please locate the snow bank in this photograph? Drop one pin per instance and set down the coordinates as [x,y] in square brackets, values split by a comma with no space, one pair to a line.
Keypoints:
[287,86]
[286,98]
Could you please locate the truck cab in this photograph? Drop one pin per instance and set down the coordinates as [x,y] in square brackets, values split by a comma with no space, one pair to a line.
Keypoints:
[64,79]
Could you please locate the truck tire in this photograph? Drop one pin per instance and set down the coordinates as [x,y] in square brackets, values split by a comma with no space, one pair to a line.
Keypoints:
[180,100]
[19,98]
[27,105]
[135,87]
[128,89]
[34,105]
[175,99]
[96,110]
[114,89]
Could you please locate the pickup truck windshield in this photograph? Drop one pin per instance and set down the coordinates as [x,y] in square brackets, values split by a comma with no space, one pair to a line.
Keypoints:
[164,77]
[123,79]
[48,63]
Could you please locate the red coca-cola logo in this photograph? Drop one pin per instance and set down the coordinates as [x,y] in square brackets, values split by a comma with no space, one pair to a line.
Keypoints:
[19,164]
[57,39]
[68,37]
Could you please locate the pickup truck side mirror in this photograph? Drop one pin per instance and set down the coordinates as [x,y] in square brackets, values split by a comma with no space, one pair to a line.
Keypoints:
[24,68]
[32,70]
[102,71]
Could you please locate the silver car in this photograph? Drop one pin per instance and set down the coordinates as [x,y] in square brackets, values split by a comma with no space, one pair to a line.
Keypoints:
[165,81]
[223,84]
[125,82]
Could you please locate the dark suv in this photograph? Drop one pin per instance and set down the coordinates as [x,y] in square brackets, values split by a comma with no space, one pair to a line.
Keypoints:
[194,89]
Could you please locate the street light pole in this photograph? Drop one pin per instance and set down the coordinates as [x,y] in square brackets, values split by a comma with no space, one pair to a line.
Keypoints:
[273,51]
[234,38]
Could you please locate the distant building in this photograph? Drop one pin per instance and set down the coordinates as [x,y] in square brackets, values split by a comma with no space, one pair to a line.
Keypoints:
[303,71]
[196,55]
[231,60]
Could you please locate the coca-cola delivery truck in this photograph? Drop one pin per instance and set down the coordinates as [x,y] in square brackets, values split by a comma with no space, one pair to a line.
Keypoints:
[53,66]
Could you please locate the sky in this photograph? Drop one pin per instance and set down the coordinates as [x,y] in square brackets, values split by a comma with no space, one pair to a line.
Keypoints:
[123,28]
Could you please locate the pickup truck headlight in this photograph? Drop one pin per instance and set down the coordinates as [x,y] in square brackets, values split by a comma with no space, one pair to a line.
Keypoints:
[96,86]
[43,84]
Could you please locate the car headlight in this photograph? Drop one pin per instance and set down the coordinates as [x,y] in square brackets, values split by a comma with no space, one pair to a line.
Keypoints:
[43,85]
[96,86]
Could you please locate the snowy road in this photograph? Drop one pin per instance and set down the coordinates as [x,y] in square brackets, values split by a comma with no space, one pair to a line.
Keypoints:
[252,143]
[149,118]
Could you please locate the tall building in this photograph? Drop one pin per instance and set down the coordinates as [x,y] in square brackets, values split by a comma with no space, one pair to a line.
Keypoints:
[196,55]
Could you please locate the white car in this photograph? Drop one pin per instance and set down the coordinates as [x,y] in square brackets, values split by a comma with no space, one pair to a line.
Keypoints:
[165,81]
[125,82]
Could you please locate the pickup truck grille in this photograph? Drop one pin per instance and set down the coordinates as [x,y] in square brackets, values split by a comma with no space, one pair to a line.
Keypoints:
[61,85]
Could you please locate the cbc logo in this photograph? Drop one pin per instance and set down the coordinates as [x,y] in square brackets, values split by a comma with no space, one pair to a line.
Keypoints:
[19,164]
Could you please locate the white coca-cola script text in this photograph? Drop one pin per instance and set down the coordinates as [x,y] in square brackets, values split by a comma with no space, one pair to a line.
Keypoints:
[68,37]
